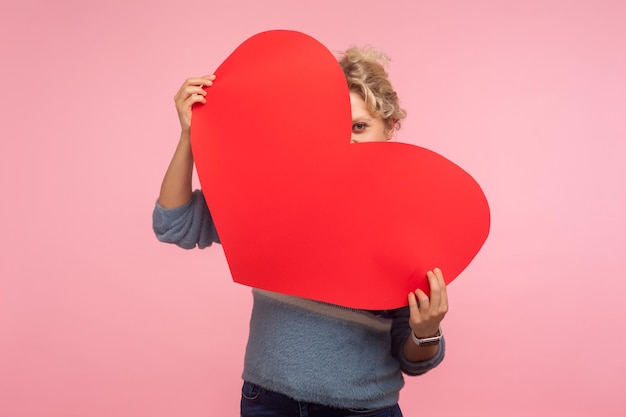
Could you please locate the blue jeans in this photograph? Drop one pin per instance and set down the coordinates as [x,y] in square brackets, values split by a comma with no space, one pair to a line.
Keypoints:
[259,402]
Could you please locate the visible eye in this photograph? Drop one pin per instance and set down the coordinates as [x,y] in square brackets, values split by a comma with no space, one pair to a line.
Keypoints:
[358,127]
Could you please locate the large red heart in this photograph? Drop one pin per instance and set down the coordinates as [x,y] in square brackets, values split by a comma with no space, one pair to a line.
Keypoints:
[302,211]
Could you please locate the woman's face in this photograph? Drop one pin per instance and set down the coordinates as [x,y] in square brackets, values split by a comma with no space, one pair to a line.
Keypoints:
[365,127]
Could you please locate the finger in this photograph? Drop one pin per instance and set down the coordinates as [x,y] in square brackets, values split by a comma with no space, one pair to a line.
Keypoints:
[197,91]
[440,278]
[443,290]
[423,301]
[194,93]
[414,310]
[191,100]
[435,291]
[194,86]
[194,89]
[184,93]
[204,80]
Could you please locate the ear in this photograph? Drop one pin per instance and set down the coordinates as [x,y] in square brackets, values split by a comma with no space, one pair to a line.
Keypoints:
[390,128]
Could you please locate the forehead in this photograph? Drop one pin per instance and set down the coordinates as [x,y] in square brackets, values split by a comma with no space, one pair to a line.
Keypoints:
[359,109]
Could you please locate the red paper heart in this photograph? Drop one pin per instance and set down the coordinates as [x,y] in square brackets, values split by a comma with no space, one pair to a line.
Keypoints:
[299,209]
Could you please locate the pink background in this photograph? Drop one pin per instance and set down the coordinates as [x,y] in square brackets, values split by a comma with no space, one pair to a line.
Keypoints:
[99,319]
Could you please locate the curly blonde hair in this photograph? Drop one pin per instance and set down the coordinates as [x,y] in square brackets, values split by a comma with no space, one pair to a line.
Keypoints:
[365,73]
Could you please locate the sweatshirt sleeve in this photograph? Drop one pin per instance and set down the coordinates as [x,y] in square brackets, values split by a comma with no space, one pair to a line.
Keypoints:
[187,226]
[400,331]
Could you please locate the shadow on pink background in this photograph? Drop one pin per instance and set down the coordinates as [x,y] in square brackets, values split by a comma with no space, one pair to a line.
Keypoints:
[99,319]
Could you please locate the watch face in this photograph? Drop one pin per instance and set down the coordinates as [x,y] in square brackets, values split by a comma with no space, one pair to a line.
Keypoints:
[429,342]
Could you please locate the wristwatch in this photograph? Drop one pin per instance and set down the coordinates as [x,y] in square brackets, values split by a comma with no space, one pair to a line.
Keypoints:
[429,341]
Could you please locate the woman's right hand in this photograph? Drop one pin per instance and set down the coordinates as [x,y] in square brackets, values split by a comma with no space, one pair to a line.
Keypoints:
[191,92]
[176,185]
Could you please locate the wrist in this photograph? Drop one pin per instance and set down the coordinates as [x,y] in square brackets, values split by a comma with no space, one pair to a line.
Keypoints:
[424,335]
[432,340]
[185,135]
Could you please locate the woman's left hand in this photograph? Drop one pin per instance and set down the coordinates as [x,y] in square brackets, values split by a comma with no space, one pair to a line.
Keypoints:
[426,313]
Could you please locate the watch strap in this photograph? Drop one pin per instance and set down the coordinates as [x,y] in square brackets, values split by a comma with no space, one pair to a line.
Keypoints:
[428,341]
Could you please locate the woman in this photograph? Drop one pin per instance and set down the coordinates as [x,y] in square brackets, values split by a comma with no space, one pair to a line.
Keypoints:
[306,357]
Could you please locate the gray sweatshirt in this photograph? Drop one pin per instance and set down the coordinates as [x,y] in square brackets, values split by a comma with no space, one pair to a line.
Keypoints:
[309,350]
